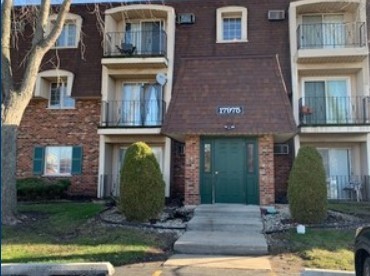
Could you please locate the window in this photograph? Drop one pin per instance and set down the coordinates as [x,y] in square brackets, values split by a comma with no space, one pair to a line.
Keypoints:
[70,35]
[232,24]
[141,105]
[147,37]
[57,160]
[328,100]
[67,37]
[323,31]
[337,164]
[59,98]
[56,86]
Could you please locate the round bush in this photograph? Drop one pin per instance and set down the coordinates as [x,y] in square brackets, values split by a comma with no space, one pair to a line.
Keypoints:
[307,193]
[142,186]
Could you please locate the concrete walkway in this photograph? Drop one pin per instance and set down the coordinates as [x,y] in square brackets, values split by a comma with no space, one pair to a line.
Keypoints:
[224,229]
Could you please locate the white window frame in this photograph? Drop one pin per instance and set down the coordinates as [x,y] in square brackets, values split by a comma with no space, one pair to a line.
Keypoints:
[231,12]
[44,80]
[45,161]
[70,18]
[62,96]
[325,80]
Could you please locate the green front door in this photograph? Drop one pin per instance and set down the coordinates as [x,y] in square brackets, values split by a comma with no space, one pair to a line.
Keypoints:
[229,171]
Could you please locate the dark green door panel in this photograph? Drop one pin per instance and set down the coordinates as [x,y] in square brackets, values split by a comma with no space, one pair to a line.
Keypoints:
[229,171]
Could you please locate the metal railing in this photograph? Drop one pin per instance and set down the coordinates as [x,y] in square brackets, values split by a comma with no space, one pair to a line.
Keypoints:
[334,110]
[148,113]
[135,44]
[348,187]
[331,35]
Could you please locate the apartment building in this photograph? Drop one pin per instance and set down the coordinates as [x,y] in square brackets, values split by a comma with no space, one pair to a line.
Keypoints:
[218,89]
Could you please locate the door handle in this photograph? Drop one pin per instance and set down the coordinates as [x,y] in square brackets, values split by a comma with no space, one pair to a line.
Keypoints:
[216,172]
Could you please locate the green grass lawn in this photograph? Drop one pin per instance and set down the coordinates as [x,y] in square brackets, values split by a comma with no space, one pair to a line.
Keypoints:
[323,248]
[360,209]
[62,232]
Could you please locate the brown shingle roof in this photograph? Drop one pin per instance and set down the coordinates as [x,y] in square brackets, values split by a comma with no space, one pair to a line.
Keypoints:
[204,84]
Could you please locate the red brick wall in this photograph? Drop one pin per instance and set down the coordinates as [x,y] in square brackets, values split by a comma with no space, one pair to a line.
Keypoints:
[50,127]
[283,165]
[192,193]
[178,171]
[267,171]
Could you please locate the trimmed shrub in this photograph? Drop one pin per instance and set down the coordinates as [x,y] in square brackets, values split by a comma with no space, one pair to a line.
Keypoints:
[307,193]
[142,185]
[39,188]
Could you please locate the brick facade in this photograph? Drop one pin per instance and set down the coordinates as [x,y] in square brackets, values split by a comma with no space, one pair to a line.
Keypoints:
[192,159]
[178,171]
[58,127]
[283,165]
[267,172]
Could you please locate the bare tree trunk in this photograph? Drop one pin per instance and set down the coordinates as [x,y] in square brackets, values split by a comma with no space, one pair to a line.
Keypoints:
[8,174]
[14,102]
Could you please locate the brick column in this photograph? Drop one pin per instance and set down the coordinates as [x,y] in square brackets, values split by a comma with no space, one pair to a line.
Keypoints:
[266,169]
[192,146]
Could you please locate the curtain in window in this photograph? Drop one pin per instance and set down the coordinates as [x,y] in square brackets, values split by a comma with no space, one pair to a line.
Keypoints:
[311,32]
[132,36]
[150,38]
[315,99]
[333,31]
[152,113]
[337,103]
[130,105]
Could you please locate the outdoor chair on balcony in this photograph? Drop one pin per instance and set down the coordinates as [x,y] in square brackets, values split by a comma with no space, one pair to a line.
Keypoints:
[354,186]
[126,49]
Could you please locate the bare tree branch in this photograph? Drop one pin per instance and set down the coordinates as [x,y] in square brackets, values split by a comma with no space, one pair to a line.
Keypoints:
[6,69]
[38,50]
[42,21]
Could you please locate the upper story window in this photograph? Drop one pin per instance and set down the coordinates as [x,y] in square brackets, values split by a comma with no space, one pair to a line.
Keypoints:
[56,86]
[232,24]
[325,31]
[70,35]
[59,98]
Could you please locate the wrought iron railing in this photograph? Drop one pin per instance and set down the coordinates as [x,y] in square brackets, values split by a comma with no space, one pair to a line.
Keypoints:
[148,113]
[334,110]
[331,35]
[348,187]
[135,44]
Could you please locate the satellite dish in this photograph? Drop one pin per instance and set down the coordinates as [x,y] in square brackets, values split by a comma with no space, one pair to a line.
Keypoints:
[161,78]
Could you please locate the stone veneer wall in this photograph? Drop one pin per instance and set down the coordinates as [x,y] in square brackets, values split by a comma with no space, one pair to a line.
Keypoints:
[266,167]
[41,126]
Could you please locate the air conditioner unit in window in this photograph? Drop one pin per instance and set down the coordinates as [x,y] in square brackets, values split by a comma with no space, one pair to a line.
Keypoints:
[281,149]
[185,18]
[276,15]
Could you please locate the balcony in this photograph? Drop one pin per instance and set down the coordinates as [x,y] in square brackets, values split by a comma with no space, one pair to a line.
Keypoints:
[133,114]
[348,187]
[334,111]
[331,42]
[133,48]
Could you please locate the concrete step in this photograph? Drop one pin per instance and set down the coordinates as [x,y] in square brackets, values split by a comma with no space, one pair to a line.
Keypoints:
[228,209]
[224,223]
[217,242]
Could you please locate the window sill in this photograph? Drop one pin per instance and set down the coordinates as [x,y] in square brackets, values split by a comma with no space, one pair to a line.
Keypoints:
[65,47]
[231,41]
[57,175]
[63,108]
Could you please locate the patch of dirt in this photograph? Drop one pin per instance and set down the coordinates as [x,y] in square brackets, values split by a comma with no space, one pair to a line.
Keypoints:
[286,264]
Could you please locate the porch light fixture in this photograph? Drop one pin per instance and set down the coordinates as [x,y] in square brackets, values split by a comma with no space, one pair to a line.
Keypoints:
[229,126]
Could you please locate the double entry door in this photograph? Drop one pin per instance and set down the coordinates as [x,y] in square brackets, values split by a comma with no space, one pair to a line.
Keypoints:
[229,171]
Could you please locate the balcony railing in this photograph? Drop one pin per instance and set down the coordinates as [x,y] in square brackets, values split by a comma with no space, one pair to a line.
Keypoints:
[348,187]
[135,44]
[331,35]
[334,110]
[148,113]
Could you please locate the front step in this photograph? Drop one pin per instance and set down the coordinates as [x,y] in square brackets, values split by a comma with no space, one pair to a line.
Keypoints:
[225,223]
[228,209]
[217,242]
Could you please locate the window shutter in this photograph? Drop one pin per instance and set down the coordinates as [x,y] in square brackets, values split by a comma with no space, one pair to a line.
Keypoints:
[77,160]
[38,160]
